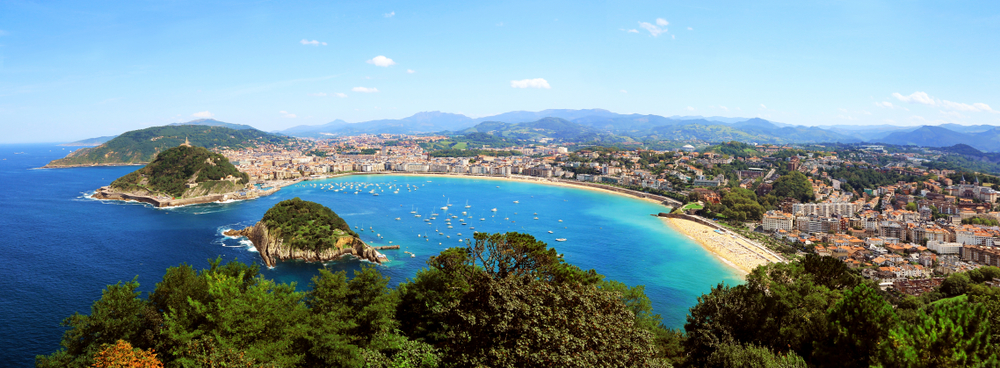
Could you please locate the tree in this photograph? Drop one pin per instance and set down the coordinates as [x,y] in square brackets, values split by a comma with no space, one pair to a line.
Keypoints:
[794,185]
[860,322]
[955,334]
[509,300]
[752,356]
[122,355]
[119,315]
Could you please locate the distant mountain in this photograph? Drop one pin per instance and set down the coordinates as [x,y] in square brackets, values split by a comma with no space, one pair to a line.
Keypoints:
[141,146]
[423,122]
[213,122]
[929,136]
[554,128]
[90,142]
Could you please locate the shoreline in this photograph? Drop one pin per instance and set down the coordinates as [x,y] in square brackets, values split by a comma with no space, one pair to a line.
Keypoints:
[736,252]
[525,179]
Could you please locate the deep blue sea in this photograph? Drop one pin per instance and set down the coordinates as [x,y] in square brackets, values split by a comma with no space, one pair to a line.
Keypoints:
[61,248]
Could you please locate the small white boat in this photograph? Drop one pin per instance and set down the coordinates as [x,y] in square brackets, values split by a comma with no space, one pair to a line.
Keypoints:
[560,239]
[482,219]
[494,210]
[550,231]
[516,202]
[560,220]
[536,218]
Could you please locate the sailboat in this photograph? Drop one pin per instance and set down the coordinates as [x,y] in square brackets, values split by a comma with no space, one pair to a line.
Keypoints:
[467,204]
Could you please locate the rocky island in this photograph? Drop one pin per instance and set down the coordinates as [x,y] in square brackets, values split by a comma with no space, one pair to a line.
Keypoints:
[183,175]
[307,231]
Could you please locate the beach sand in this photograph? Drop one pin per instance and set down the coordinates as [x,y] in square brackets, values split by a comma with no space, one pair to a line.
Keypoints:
[736,252]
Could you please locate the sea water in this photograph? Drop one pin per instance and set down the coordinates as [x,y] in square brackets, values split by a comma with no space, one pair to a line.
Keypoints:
[62,248]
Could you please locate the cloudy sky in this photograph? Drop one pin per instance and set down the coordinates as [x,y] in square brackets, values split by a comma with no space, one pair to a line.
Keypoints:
[71,70]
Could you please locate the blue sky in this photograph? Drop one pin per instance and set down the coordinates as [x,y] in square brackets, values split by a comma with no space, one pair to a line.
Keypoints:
[72,70]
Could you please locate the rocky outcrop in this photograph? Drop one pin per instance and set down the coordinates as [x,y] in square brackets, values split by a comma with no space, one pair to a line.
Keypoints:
[109,193]
[272,249]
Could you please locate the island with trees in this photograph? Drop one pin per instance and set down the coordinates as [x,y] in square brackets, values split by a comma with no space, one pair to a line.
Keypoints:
[307,231]
[183,175]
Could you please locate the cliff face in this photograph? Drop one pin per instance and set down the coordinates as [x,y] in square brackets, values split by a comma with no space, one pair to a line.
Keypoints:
[272,249]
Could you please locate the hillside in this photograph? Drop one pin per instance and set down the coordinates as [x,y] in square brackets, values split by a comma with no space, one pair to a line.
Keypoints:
[928,136]
[306,225]
[141,146]
[183,172]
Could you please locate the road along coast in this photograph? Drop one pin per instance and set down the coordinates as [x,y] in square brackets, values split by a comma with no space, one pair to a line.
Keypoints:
[732,248]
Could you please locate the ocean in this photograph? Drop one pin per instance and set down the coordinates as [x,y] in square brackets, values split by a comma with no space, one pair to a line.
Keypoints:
[62,248]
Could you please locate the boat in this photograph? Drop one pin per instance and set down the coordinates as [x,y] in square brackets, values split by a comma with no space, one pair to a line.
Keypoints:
[516,202]
[467,204]
[536,218]
[550,231]
[375,194]
[560,239]
[494,210]
[482,219]
[560,220]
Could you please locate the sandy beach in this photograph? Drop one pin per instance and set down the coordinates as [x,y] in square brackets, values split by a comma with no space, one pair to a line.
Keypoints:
[735,251]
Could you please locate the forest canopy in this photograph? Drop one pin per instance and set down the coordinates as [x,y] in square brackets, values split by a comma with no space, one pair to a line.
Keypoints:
[306,225]
[174,168]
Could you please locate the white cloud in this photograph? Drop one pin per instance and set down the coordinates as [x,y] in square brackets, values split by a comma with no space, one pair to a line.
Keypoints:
[924,99]
[364,89]
[689,108]
[763,107]
[3,33]
[500,24]
[389,14]
[885,104]
[530,83]
[662,22]
[203,115]
[915,97]
[312,43]
[633,30]
[673,37]
[318,94]
[653,29]
[286,114]
[341,95]
[723,107]
[410,71]
[690,29]
[381,61]
[623,91]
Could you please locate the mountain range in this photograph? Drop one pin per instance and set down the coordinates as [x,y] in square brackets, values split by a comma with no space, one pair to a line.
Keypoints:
[598,125]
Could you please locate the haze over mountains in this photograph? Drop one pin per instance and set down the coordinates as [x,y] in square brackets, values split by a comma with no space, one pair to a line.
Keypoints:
[598,125]
[595,122]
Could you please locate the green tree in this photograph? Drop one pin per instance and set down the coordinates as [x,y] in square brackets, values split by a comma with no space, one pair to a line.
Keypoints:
[955,334]
[119,315]
[860,323]
[751,356]
[794,185]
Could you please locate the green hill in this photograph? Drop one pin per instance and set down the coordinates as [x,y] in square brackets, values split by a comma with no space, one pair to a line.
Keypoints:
[306,225]
[183,171]
[141,146]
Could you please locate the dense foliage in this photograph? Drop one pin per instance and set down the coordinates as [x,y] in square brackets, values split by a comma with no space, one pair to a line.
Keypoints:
[141,146]
[172,169]
[306,225]
[860,178]
[793,185]
[505,300]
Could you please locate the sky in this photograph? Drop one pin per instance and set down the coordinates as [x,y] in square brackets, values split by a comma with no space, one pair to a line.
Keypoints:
[71,70]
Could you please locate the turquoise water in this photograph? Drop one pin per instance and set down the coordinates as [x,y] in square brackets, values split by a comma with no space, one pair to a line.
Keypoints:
[63,248]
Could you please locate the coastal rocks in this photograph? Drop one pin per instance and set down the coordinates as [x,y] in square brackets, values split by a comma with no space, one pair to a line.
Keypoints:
[272,249]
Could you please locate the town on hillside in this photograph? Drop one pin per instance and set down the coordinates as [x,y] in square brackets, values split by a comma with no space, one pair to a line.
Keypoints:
[890,214]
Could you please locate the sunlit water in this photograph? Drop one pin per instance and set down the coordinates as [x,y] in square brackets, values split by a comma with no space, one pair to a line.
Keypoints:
[62,248]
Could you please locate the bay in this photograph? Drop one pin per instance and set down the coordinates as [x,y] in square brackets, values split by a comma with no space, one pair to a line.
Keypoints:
[62,248]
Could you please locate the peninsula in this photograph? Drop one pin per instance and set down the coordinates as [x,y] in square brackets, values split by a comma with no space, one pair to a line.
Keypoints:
[141,146]
[183,175]
[307,231]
